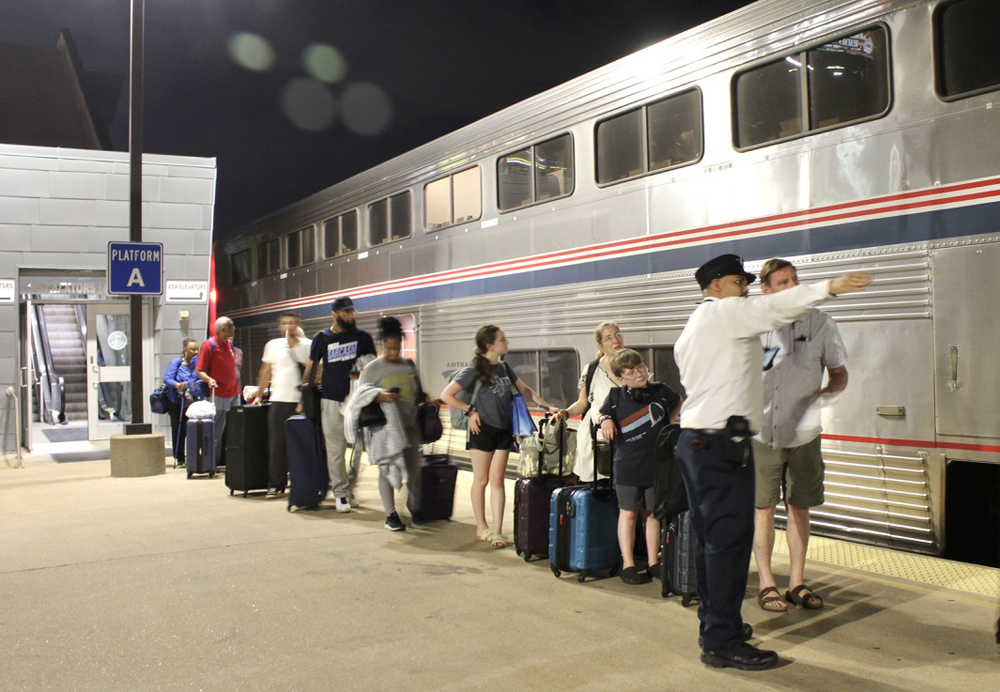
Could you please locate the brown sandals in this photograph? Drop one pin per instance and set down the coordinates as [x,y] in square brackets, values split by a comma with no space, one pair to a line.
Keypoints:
[772,604]
[809,600]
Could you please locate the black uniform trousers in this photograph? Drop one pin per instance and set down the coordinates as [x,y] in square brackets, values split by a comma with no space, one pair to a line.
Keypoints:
[720,496]
[277,471]
[178,430]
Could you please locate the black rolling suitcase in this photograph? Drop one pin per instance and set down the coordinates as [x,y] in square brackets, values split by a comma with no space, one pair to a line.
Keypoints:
[246,449]
[532,503]
[678,573]
[200,446]
[308,475]
[437,487]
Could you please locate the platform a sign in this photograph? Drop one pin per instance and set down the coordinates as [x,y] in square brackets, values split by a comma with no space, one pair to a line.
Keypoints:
[135,269]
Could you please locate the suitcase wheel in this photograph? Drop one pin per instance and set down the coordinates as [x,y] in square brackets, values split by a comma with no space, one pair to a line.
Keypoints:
[583,577]
[231,491]
[518,552]
[211,474]
[189,475]
[555,571]
[527,556]
[245,493]
[686,600]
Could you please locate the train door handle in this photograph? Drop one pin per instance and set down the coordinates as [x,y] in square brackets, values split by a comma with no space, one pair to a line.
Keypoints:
[953,383]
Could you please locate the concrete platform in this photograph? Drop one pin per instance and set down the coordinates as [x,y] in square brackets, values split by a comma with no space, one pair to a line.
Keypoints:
[165,583]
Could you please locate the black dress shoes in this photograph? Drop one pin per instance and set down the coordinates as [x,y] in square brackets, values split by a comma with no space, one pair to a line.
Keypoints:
[743,657]
[747,634]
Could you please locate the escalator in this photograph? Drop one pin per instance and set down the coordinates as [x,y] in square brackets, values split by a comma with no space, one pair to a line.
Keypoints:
[68,356]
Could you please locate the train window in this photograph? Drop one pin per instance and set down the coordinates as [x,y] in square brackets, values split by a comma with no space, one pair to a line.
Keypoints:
[554,373]
[964,36]
[619,147]
[663,367]
[673,130]
[453,200]
[514,179]
[540,173]
[269,257]
[340,235]
[300,247]
[654,137]
[400,222]
[839,82]
[242,269]
[378,223]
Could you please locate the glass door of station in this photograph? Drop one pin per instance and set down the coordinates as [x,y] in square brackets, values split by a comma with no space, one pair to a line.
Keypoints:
[109,371]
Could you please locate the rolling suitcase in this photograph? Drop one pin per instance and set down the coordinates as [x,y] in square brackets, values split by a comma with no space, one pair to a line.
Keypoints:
[678,572]
[437,487]
[308,475]
[200,450]
[246,449]
[532,503]
[583,528]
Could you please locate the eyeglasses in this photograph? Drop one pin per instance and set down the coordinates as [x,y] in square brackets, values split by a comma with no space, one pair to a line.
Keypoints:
[638,373]
[617,336]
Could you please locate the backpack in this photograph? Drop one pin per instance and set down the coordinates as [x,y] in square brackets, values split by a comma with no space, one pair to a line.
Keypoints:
[460,421]
[588,380]
[671,496]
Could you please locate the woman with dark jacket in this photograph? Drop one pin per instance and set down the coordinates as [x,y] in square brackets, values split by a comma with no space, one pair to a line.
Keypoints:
[176,378]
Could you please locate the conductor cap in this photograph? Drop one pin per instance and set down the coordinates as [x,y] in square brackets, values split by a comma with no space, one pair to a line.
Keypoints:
[723,265]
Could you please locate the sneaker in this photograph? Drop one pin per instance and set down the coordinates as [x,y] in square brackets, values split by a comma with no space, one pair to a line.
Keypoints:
[272,492]
[354,503]
[343,504]
[394,523]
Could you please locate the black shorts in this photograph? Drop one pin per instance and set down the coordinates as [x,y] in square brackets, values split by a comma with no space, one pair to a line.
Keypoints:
[635,499]
[490,439]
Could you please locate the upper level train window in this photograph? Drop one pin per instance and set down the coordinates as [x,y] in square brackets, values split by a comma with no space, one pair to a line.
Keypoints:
[241,266]
[965,33]
[538,173]
[340,235]
[269,257]
[453,200]
[301,247]
[839,82]
[657,136]
[389,219]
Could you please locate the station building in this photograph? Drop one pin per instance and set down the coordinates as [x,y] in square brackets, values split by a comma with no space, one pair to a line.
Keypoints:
[64,341]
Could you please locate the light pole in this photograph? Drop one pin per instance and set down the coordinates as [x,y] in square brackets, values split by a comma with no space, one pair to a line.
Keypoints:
[137,426]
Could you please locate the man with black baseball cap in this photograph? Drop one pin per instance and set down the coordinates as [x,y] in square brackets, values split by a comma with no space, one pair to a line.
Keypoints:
[341,351]
[719,356]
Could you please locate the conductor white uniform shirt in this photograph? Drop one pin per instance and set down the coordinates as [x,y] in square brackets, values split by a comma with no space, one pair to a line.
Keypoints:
[719,353]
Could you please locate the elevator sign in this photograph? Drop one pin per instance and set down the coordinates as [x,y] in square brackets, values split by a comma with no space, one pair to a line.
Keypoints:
[135,268]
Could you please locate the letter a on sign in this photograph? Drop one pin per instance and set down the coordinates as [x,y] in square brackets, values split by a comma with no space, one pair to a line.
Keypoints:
[135,278]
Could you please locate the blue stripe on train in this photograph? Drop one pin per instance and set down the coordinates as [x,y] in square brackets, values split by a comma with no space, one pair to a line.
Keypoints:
[910,228]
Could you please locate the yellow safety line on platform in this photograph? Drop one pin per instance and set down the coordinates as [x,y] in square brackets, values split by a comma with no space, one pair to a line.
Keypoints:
[923,569]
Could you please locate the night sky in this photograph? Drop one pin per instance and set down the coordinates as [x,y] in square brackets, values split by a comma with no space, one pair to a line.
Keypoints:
[292,96]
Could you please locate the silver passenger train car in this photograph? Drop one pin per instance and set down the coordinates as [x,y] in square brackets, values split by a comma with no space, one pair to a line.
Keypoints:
[841,134]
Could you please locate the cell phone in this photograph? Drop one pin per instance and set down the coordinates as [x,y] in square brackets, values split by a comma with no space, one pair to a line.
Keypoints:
[394,390]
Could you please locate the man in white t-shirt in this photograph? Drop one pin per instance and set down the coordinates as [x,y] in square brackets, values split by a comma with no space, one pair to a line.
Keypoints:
[281,368]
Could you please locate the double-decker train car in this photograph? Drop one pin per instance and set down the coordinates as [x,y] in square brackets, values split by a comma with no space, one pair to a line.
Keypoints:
[840,134]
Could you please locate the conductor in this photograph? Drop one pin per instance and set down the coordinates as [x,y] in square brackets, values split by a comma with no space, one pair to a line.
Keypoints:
[719,356]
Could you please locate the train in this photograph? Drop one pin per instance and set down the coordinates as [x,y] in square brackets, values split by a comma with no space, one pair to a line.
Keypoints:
[844,135]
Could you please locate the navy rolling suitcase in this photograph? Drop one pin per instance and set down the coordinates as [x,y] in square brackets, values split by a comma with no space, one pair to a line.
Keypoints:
[532,504]
[583,531]
[200,446]
[246,449]
[308,475]
[437,487]
[678,571]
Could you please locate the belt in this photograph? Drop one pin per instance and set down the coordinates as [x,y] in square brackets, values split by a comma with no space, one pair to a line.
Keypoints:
[698,431]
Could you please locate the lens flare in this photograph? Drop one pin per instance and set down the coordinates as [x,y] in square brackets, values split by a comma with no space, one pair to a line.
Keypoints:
[324,63]
[367,109]
[308,104]
[251,52]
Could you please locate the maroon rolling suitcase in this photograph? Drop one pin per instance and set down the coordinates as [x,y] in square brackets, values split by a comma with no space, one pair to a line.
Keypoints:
[437,487]
[532,500]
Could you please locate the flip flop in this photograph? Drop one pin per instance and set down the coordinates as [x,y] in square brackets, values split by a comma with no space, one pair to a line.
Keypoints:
[809,601]
[498,542]
[772,604]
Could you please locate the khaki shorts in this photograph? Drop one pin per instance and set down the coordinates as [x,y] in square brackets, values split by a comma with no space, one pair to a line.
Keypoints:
[795,472]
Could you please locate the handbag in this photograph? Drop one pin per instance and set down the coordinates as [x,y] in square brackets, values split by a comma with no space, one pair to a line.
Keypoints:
[158,399]
[429,422]
[602,457]
[312,394]
[519,417]
[371,415]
